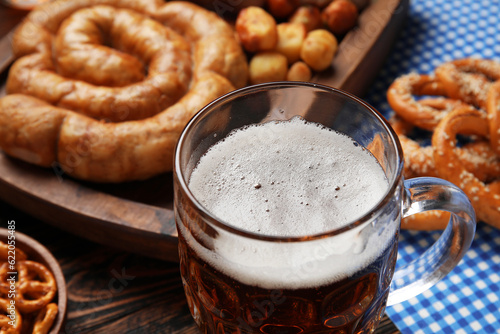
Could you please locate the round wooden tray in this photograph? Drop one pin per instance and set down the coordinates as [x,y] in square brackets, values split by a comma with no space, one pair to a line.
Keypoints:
[138,216]
[37,252]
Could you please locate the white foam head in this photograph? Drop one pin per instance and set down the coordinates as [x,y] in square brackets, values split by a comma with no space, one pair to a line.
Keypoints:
[290,178]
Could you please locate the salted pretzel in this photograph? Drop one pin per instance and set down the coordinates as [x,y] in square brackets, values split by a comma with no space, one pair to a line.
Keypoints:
[401,97]
[477,157]
[45,319]
[457,87]
[465,120]
[6,326]
[468,79]
[493,110]
[426,221]
[50,119]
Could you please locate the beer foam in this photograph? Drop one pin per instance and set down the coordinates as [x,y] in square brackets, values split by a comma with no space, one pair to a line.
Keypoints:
[289,178]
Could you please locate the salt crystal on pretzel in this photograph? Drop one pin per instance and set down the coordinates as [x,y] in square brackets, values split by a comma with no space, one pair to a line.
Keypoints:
[493,110]
[468,79]
[400,96]
[484,198]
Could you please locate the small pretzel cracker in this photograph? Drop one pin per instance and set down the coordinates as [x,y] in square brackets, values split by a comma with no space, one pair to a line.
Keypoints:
[35,287]
[45,319]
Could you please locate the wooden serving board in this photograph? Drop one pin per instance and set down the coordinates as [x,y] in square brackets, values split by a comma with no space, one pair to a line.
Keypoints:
[138,216]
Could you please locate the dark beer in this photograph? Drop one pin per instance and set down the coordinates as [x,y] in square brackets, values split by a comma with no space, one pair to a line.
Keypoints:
[221,304]
[263,270]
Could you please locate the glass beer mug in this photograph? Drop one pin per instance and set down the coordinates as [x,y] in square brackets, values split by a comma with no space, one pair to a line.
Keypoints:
[337,280]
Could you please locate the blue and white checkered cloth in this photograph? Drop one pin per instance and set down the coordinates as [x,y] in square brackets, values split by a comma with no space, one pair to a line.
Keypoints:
[468,299]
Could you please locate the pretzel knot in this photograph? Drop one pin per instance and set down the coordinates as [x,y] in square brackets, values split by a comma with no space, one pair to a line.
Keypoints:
[425,113]
[45,318]
[35,286]
[484,197]
[103,88]
[469,79]
[477,157]
[493,110]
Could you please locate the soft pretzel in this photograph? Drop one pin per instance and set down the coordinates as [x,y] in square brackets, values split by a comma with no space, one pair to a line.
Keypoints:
[468,79]
[52,120]
[477,157]
[400,96]
[426,221]
[485,199]
[493,110]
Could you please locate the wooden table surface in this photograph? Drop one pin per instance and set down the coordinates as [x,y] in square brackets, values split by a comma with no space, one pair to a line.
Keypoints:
[109,290]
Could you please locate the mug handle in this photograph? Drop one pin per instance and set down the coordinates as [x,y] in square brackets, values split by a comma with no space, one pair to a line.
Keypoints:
[424,194]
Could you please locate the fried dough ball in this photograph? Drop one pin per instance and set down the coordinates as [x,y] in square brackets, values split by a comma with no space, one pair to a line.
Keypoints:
[309,16]
[299,71]
[282,8]
[291,36]
[256,29]
[318,49]
[340,16]
[268,66]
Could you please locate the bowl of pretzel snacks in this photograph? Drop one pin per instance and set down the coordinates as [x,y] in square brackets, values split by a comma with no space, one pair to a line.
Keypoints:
[457,107]
[32,286]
